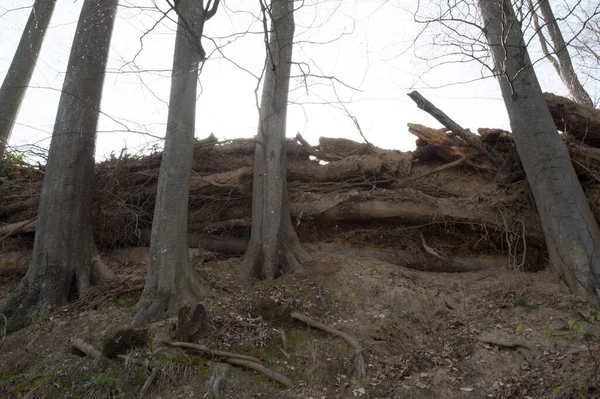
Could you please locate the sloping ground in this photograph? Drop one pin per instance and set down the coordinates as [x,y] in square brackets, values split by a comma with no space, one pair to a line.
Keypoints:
[489,334]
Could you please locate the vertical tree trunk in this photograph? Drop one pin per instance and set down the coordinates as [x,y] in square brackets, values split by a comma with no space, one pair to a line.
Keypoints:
[64,249]
[274,246]
[563,66]
[572,236]
[171,280]
[19,73]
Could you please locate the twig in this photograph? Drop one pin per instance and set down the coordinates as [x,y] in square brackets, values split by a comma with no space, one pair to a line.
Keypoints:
[432,251]
[283,380]
[431,171]
[213,352]
[360,361]
[86,348]
[148,382]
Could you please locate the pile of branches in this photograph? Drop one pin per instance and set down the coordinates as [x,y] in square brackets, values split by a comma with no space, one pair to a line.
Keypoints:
[458,196]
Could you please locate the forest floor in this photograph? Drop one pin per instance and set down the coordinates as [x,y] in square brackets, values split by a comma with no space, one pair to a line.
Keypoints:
[490,334]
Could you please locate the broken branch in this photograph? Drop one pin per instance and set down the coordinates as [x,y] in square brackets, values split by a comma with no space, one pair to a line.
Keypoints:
[213,352]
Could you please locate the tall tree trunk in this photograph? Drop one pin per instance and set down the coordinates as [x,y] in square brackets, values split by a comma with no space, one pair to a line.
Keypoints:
[562,63]
[572,236]
[64,250]
[19,73]
[274,246]
[171,280]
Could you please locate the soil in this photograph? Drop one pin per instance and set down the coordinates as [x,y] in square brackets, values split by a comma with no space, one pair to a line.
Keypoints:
[496,333]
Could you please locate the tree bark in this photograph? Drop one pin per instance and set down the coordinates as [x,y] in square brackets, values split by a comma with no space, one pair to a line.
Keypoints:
[64,249]
[274,246]
[21,68]
[571,234]
[562,63]
[171,281]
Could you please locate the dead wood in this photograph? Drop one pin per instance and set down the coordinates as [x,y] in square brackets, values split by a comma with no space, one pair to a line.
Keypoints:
[353,342]
[511,170]
[578,120]
[471,139]
[419,261]
[205,349]
[430,171]
[86,349]
[283,380]
[449,148]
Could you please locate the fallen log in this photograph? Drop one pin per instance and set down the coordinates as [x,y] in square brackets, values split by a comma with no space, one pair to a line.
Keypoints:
[578,120]
[24,226]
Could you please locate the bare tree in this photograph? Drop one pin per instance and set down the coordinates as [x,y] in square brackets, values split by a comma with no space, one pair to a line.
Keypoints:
[562,63]
[171,280]
[19,73]
[274,246]
[572,235]
[64,262]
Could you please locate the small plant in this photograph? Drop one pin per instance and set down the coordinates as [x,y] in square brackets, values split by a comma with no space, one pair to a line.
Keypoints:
[522,302]
[9,163]
[104,381]
[549,331]
[35,317]
[121,302]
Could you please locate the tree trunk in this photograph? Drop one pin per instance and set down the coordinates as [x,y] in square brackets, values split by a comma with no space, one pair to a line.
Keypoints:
[171,280]
[19,74]
[274,247]
[64,249]
[562,63]
[571,234]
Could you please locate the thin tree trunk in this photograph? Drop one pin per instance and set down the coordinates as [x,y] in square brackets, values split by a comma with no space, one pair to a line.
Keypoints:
[21,68]
[562,63]
[571,234]
[274,245]
[64,249]
[171,280]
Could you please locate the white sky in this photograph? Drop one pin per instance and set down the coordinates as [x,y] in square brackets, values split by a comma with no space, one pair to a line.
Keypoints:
[372,53]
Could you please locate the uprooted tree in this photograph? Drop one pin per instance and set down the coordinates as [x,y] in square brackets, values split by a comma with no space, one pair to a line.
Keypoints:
[171,280]
[572,235]
[64,262]
[274,246]
[22,66]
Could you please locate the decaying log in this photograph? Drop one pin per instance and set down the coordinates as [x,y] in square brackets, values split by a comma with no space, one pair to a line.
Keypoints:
[511,170]
[471,139]
[578,120]
[450,148]
[423,262]
[350,340]
[341,148]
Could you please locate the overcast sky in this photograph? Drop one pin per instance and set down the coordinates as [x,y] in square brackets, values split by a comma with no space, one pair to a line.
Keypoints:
[365,44]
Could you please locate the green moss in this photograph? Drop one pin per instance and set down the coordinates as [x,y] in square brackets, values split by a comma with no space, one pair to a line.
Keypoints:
[295,338]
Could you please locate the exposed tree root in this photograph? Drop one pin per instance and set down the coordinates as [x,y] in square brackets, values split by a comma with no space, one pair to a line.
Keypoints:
[283,380]
[213,352]
[353,342]
[148,382]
